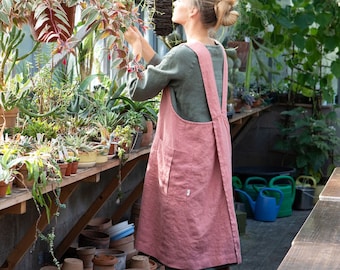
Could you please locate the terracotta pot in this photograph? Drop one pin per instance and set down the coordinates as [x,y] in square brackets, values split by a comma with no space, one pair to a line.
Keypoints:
[49,267]
[94,238]
[104,262]
[63,167]
[74,167]
[3,189]
[113,148]
[86,254]
[72,264]
[126,244]
[9,118]
[21,179]
[257,102]
[99,224]
[68,169]
[140,261]
[238,104]
[119,254]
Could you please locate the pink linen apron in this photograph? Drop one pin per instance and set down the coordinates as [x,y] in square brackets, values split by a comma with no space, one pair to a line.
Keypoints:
[187,218]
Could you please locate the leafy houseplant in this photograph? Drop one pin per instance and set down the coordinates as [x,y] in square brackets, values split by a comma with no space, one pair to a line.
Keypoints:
[9,152]
[303,31]
[123,135]
[309,142]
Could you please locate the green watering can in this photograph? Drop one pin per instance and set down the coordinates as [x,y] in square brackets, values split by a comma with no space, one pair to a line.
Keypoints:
[286,184]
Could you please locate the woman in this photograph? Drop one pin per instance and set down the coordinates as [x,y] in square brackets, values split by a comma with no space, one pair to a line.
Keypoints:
[187,218]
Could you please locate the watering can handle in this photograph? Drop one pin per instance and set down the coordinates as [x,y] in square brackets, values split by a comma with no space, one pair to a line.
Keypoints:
[237,183]
[255,178]
[305,178]
[287,177]
[275,190]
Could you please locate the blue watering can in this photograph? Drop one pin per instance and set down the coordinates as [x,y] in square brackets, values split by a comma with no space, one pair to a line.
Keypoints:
[266,207]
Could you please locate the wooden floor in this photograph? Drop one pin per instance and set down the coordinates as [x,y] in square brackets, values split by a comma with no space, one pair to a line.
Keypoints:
[264,244]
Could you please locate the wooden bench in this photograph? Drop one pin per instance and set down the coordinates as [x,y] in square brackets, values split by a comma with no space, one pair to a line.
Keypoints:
[317,244]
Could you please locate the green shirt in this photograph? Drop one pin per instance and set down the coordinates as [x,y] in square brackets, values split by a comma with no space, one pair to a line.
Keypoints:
[179,70]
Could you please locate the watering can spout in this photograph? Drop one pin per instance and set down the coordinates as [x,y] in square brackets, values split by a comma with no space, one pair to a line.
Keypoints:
[252,203]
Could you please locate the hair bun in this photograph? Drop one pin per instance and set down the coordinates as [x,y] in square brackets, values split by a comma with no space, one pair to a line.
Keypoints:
[230,18]
[225,13]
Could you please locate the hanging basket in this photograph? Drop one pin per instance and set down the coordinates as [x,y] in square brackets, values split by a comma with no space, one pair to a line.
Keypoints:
[162,16]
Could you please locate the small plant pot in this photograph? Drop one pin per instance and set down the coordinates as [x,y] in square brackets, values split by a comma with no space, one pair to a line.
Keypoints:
[3,189]
[86,254]
[94,238]
[63,168]
[72,264]
[140,261]
[99,224]
[21,179]
[104,262]
[68,169]
[74,167]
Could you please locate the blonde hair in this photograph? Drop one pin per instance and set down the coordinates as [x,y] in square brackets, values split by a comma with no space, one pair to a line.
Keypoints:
[215,13]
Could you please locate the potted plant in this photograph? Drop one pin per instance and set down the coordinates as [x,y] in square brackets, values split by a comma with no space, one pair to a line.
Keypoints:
[13,88]
[80,144]
[123,135]
[309,143]
[303,34]
[8,162]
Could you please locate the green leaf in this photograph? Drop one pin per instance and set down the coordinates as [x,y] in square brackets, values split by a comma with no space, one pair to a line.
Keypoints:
[304,20]
[299,41]
[335,68]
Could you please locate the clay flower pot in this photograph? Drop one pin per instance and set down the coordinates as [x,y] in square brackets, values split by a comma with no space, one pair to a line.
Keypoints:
[72,264]
[94,238]
[140,261]
[74,167]
[3,189]
[104,262]
[99,224]
[86,254]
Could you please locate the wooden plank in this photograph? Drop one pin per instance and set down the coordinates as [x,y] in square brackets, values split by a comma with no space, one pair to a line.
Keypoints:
[331,192]
[312,256]
[17,209]
[96,206]
[22,195]
[26,242]
[322,225]
[135,194]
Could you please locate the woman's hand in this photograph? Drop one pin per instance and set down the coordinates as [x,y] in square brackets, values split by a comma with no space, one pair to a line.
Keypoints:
[134,38]
[141,48]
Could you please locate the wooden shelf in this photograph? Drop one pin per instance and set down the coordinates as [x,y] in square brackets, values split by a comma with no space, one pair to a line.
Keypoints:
[16,203]
[239,120]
